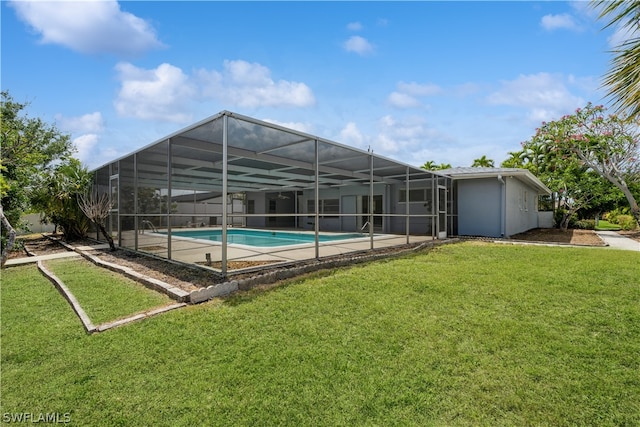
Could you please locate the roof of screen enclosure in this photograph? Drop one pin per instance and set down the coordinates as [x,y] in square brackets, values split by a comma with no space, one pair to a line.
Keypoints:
[261,157]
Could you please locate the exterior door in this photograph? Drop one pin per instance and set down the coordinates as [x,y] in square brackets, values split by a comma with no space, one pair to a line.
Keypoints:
[442,212]
[114,198]
[377,210]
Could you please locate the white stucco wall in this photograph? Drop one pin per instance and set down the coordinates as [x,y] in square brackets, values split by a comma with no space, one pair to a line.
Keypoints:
[521,207]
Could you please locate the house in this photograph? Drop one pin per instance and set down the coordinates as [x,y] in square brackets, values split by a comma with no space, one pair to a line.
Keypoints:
[186,195]
[497,202]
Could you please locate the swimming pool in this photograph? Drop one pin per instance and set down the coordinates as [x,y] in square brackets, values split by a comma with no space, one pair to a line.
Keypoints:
[263,238]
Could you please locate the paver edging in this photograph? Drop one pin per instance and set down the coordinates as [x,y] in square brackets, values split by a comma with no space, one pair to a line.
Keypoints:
[71,299]
[139,316]
[84,318]
[155,284]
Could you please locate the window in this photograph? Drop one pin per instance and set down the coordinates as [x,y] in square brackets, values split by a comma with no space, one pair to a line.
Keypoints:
[415,195]
[328,208]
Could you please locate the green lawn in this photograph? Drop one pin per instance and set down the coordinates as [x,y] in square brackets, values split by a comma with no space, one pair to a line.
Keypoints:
[467,334]
[606,225]
[104,295]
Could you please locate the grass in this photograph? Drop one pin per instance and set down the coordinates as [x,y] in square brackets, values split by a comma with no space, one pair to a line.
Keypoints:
[604,225]
[104,295]
[467,334]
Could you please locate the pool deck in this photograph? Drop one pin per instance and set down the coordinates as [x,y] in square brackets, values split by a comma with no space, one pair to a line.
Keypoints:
[194,250]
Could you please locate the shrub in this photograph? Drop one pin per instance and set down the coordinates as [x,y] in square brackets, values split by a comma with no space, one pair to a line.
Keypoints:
[627,222]
[585,224]
[612,216]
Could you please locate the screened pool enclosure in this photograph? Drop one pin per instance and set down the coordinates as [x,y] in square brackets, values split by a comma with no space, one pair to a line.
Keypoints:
[233,172]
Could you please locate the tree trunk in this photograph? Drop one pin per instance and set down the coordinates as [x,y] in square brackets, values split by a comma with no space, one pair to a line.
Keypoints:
[564,223]
[107,236]
[566,218]
[633,203]
[11,237]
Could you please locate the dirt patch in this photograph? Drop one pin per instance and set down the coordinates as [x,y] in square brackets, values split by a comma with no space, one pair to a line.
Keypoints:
[181,276]
[34,246]
[555,235]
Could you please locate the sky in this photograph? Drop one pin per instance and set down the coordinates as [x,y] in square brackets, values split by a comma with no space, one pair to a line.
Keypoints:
[447,82]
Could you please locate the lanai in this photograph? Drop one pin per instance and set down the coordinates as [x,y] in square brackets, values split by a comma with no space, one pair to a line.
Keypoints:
[274,178]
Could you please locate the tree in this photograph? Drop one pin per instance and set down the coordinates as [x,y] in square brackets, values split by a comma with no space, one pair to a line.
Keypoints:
[28,148]
[623,78]
[607,145]
[482,162]
[58,195]
[11,236]
[97,209]
[574,187]
[430,165]
[514,160]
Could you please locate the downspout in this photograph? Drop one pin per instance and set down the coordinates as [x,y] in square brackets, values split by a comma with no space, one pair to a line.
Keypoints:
[503,207]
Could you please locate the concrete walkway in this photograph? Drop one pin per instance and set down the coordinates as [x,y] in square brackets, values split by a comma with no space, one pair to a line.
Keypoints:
[68,254]
[617,241]
[30,259]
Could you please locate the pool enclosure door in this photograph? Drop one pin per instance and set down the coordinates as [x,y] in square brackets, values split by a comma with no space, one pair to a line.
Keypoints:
[442,212]
[377,210]
[114,199]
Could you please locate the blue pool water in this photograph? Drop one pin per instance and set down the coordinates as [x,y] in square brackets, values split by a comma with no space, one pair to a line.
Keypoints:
[262,238]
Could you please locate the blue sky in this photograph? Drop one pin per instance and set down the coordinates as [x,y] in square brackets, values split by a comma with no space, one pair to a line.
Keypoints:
[414,81]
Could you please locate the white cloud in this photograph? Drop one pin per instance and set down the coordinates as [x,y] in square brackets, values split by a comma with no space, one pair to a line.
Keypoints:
[84,146]
[403,100]
[162,93]
[359,45]
[86,130]
[354,26]
[299,126]
[352,136]
[561,21]
[250,85]
[167,93]
[407,94]
[418,89]
[88,123]
[97,26]
[545,96]
[403,137]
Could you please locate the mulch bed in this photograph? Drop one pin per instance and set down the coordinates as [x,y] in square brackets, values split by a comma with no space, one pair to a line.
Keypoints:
[555,235]
[37,246]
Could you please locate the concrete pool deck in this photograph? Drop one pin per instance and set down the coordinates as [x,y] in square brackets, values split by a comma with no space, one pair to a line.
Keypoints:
[194,250]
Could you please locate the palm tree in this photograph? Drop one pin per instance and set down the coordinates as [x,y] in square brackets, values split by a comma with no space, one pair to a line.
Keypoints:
[429,165]
[515,160]
[482,162]
[623,79]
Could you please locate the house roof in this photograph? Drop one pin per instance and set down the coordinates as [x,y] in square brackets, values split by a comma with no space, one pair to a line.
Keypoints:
[523,175]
